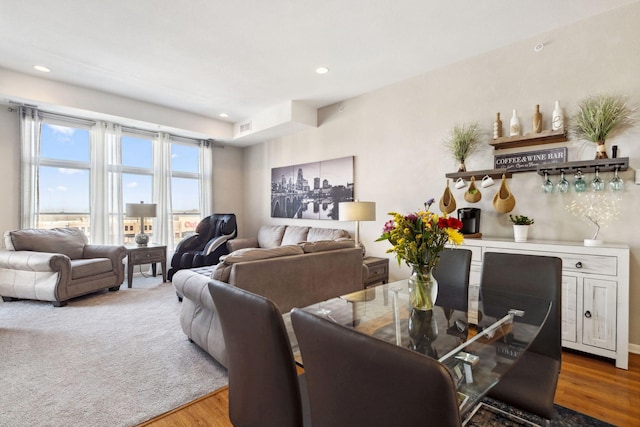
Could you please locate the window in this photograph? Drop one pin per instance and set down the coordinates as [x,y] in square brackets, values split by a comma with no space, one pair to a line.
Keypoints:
[185,189]
[80,173]
[63,177]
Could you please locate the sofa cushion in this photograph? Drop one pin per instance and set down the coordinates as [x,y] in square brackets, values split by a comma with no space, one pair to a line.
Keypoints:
[270,236]
[326,245]
[253,254]
[66,241]
[90,267]
[294,235]
[222,270]
[316,233]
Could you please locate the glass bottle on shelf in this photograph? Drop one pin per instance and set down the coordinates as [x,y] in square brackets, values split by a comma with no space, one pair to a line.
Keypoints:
[497,127]
[536,120]
[514,127]
[557,118]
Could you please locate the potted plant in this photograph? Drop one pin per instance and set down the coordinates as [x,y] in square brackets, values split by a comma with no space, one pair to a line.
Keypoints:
[596,116]
[521,225]
[463,141]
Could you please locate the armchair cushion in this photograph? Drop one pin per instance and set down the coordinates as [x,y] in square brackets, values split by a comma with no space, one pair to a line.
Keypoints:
[89,267]
[247,242]
[66,241]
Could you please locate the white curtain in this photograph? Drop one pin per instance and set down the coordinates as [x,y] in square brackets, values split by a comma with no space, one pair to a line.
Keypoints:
[30,158]
[106,179]
[163,223]
[206,179]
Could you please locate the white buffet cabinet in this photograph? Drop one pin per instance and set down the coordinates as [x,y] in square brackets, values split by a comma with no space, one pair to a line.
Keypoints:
[595,291]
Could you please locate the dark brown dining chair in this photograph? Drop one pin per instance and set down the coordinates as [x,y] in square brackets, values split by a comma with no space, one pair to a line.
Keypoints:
[264,388]
[531,383]
[356,380]
[452,274]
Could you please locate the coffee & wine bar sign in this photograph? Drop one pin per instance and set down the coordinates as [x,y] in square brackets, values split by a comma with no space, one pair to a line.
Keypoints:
[529,161]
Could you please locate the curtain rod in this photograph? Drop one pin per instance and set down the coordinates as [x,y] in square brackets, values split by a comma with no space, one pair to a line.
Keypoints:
[93,122]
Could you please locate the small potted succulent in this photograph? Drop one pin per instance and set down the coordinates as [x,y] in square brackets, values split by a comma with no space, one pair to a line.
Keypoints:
[521,225]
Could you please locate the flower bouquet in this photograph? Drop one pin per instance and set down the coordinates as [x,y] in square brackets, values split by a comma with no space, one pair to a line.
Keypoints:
[417,239]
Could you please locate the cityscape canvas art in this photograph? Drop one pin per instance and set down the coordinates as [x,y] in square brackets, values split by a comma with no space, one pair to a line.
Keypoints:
[311,190]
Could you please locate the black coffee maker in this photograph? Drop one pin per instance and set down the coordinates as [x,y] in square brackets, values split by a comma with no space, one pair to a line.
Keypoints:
[470,218]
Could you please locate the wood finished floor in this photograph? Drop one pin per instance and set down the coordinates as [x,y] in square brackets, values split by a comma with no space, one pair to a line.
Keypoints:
[589,385]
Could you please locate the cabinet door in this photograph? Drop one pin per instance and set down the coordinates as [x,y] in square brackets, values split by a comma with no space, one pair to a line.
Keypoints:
[569,308]
[599,313]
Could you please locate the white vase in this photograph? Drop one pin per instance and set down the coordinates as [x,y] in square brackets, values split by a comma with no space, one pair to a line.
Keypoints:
[514,125]
[557,118]
[520,233]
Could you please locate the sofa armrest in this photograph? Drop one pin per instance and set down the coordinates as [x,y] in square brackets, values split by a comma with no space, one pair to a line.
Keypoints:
[34,261]
[194,286]
[115,253]
[247,242]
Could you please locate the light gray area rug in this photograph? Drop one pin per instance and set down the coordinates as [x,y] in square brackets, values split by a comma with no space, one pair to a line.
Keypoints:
[108,359]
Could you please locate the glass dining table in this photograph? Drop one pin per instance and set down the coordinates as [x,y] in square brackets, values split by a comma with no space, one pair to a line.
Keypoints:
[477,353]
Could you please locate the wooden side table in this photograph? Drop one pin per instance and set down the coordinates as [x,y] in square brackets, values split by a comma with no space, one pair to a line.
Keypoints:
[150,254]
[378,270]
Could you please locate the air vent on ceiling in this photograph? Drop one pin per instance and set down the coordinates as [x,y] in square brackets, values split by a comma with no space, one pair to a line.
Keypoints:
[245,127]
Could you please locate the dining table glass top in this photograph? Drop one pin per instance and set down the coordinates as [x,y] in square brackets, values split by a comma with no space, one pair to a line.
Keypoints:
[477,355]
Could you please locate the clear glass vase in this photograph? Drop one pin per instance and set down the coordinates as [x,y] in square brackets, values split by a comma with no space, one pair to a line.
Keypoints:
[423,288]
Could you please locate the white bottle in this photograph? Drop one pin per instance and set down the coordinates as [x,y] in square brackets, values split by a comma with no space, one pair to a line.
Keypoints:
[514,127]
[557,118]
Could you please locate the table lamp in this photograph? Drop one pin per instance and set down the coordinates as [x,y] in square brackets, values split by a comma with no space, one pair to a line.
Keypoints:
[143,211]
[357,211]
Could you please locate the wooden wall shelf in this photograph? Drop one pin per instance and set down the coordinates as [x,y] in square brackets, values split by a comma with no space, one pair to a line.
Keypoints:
[478,175]
[586,166]
[544,137]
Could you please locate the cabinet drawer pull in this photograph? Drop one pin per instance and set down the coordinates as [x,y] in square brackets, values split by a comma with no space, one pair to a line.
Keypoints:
[578,264]
[587,314]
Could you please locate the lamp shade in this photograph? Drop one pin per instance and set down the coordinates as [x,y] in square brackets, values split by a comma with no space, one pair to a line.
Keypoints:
[357,211]
[147,210]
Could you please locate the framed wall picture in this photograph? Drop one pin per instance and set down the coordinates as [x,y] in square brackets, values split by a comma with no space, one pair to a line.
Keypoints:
[311,190]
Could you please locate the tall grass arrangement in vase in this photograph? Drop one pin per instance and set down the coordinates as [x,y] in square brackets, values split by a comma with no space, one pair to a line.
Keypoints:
[463,141]
[596,116]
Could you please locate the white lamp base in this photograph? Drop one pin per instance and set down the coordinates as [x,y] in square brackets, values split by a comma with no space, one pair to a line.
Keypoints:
[142,239]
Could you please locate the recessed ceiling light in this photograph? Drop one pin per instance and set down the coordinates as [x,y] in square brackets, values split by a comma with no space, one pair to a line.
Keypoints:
[224,115]
[538,47]
[322,70]
[42,68]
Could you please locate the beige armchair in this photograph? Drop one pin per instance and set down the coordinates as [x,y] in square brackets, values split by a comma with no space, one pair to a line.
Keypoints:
[57,265]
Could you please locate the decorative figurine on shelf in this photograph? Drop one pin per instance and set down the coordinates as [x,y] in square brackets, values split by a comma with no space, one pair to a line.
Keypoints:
[596,116]
[463,141]
[497,127]
[557,118]
[514,126]
[536,120]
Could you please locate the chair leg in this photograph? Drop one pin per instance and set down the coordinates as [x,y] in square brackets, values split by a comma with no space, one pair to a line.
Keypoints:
[59,303]
[9,299]
[114,288]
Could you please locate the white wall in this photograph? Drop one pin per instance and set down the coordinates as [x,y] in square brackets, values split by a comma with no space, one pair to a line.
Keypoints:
[396,135]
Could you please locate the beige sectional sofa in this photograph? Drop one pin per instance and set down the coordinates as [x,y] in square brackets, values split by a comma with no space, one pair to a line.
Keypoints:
[292,266]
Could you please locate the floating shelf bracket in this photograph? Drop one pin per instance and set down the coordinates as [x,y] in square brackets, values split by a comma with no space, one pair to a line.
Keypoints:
[586,166]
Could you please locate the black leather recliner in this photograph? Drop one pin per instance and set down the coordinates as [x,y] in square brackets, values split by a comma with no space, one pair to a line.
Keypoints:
[207,245]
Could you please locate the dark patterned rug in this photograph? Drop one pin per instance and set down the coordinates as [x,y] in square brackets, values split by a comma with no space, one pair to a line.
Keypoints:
[489,417]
